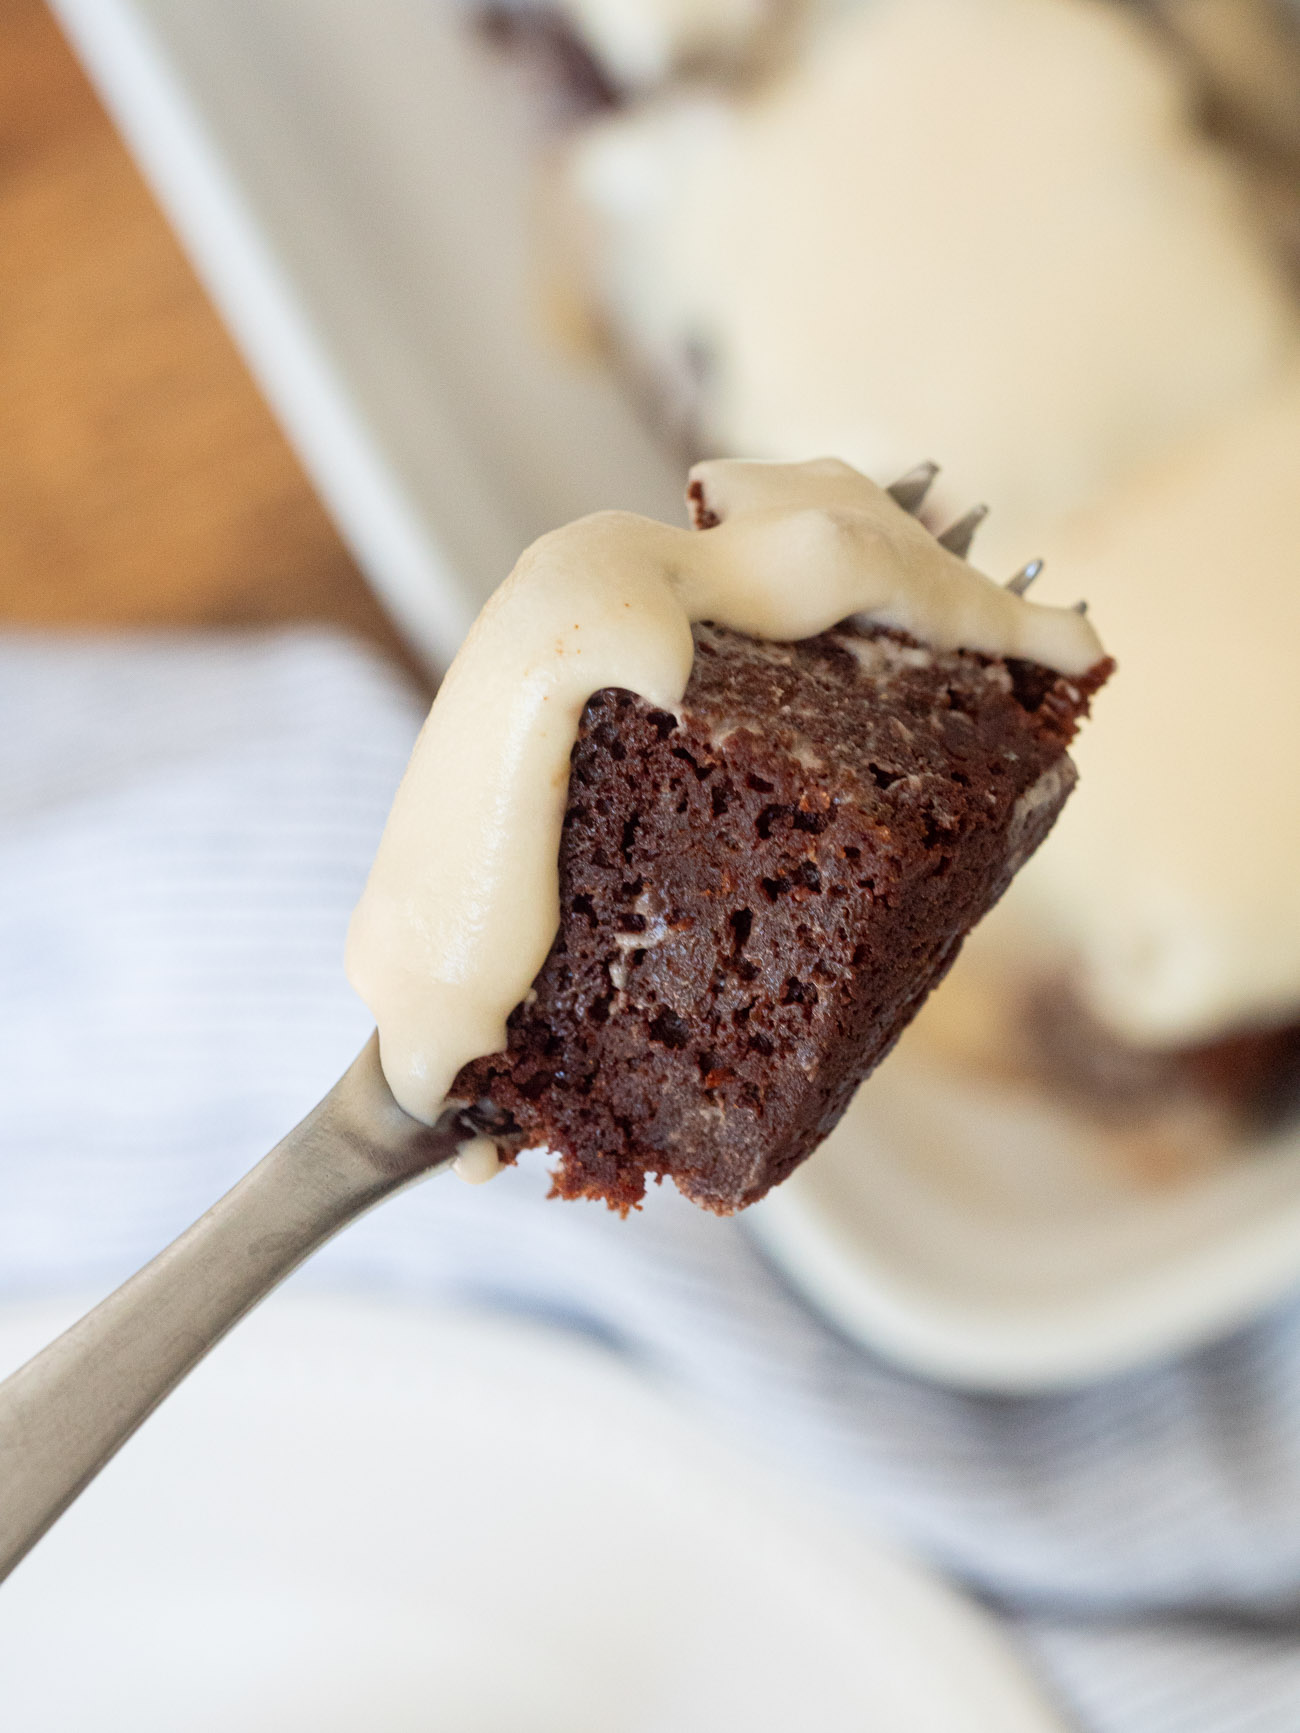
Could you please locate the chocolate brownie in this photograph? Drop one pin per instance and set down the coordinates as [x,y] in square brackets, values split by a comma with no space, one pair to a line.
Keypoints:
[756,895]
[563,71]
[1252,1076]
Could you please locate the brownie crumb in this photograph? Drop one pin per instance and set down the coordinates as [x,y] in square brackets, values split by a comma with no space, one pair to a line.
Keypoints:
[757,894]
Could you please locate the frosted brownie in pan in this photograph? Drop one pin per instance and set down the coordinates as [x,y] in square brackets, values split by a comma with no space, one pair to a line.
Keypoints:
[1146,967]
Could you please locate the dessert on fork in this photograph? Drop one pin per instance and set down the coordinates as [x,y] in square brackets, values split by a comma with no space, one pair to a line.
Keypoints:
[700,817]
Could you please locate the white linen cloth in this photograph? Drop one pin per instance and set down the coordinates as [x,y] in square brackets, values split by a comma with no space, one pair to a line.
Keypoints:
[185,824]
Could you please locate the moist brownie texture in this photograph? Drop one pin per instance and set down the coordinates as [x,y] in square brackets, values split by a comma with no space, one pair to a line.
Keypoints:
[756,895]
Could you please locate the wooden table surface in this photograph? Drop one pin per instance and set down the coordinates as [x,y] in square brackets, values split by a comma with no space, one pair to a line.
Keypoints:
[142,478]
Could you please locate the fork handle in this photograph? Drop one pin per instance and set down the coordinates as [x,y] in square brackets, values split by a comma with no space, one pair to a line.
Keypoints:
[69,1410]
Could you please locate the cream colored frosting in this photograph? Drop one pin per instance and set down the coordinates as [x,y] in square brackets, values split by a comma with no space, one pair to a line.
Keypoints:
[641,42]
[477,1161]
[1170,888]
[984,229]
[462,904]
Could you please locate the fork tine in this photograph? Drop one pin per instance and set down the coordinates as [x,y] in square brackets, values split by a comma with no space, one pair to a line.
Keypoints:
[1024,577]
[910,489]
[958,537]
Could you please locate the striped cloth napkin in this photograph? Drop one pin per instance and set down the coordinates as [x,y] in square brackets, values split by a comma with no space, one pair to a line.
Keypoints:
[184,826]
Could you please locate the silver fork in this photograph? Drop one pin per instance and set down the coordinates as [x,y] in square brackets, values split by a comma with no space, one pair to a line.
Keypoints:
[70,1409]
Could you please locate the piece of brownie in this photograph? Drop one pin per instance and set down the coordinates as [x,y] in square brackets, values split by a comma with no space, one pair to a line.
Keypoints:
[1251,1075]
[757,894]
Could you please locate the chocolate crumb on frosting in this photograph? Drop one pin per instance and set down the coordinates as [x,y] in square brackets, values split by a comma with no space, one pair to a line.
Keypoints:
[756,895]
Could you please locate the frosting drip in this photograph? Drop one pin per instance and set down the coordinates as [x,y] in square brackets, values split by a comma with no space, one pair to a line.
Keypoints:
[462,904]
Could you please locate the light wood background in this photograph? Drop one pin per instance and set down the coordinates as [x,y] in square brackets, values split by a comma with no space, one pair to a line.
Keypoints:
[142,479]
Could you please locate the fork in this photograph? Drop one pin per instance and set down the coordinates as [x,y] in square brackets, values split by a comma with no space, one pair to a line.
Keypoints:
[71,1408]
